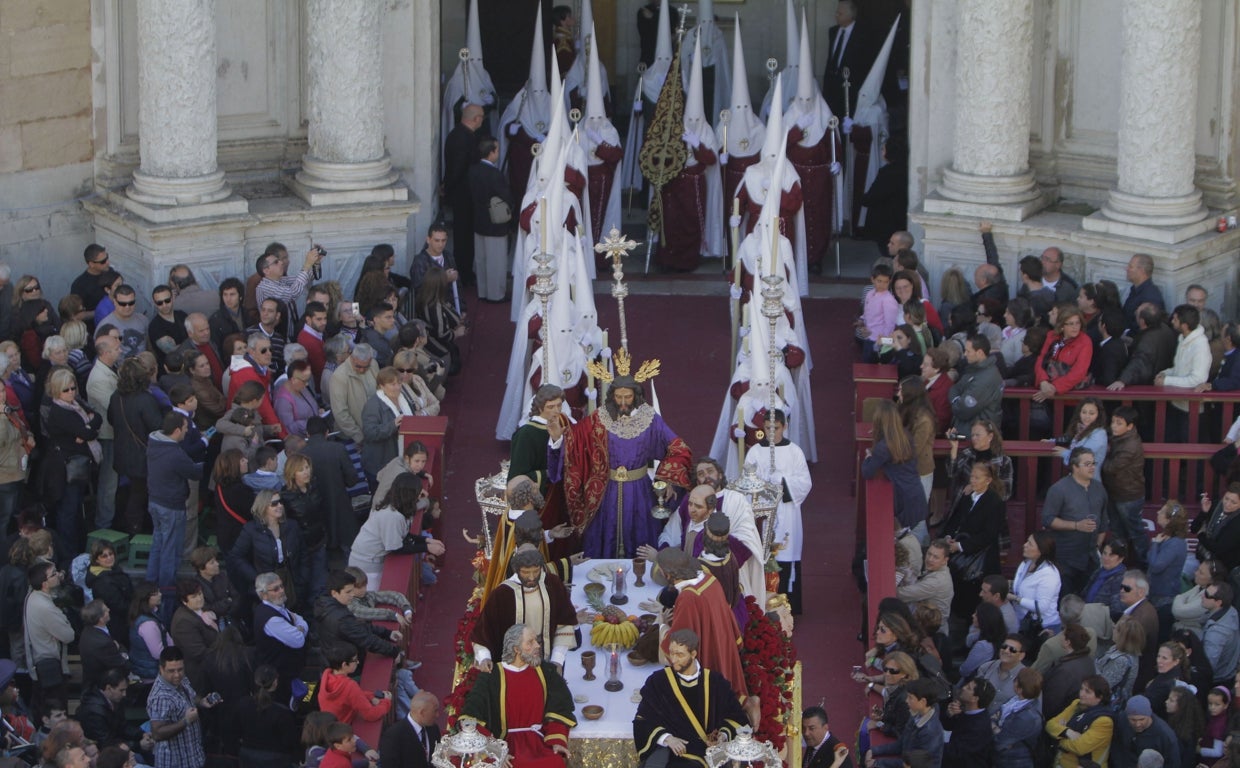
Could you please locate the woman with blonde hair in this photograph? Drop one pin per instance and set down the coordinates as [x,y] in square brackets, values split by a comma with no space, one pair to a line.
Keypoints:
[270,543]
[73,452]
[1119,664]
[892,452]
[304,503]
[75,335]
[412,386]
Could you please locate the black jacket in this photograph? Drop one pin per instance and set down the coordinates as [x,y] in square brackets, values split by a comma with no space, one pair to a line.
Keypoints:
[337,624]
[977,526]
[1153,351]
[334,475]
[306,507]
[133,417]
[485,182]
[972,743]
[105,724]
[100,652]
[399,744]
[218,594]
[1109,360]
[255,552]
[115,589]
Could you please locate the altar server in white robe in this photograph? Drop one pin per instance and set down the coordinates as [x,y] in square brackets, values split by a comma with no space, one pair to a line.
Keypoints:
[792,473]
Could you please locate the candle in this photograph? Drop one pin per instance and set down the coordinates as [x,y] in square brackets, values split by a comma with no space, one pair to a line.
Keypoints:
[542,224]
[740,425]
[613,664]
[745,316]
[775,245]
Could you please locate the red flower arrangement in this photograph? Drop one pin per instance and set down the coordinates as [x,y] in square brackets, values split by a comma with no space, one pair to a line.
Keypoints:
[456,700]
[768,658]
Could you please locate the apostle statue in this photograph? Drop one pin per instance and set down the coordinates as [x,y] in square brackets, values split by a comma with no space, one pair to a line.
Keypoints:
[524,701]
[530,596]
[604,461]
[702,607]
[685,707]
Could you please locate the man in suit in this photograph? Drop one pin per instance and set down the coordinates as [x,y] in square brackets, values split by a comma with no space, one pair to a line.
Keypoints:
[1153,350]
[1133,592]
[460,152]
[335,475]
[99,650]
[820,744]
[850,49]
[411,742]
[487,182]
[1139,274]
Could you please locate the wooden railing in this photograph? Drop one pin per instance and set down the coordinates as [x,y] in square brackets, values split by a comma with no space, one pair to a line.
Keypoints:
[1177,470]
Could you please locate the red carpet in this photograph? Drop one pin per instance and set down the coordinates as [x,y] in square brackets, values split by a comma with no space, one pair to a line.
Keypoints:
[689,336]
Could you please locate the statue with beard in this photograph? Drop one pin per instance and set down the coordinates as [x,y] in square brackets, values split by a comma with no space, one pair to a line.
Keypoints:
[525,702]
[605,463]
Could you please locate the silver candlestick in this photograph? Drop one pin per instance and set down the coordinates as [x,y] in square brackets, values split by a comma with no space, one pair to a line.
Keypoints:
[772,309]
[544,286]
[615,247]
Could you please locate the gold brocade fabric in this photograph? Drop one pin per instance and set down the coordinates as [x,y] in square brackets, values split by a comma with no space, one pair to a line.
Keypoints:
[602,753]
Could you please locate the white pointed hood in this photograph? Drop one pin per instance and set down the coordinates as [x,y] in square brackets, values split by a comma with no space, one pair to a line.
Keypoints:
[596,114]
[594,82]
[587,330]
[695,109]
[792,46]
[745,129]
[759,374]
[559,326]
[473,33]
[576,80]
[809,109]
[775,139]
[585,25]
[553,145]
[870,105]
[769,222]
[534,101]
[656,73]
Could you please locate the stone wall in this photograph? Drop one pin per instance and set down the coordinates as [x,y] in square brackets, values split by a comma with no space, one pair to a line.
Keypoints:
[45,136]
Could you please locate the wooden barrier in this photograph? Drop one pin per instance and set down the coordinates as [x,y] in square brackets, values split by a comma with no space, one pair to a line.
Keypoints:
[1161,398]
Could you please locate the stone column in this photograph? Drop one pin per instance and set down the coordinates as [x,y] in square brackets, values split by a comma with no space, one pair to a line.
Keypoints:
[177,111]
[347,162]
[1157,123]
[990,173]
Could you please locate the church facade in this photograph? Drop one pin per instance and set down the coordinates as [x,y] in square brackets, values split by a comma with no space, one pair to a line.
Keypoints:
[198,131]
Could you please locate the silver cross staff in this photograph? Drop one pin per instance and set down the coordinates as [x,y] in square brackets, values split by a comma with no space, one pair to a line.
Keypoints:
[615,247]
[684,16]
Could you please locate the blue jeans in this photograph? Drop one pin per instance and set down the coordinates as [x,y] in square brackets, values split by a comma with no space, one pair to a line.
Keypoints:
[69,515]
[1131,524]
[10,494]
[405,690]
[105,494]
[166,543]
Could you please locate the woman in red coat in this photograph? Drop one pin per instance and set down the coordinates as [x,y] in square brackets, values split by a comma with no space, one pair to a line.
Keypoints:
[1064,363]
[934,370]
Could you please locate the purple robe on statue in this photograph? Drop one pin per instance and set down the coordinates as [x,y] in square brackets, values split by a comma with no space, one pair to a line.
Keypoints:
[623,520]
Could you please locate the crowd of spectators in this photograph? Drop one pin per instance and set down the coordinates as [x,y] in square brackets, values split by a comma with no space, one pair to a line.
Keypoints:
[181,492]
[1110,634]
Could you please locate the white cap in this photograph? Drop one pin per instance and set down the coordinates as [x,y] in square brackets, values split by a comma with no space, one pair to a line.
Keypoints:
[695,107]
[652,81]
[770,208]
[743,125]
[773,145]
[791,45]
[538,62]
[557,135]
[807,87]
[473,34]
[871,90]
[585,24]
[594,80]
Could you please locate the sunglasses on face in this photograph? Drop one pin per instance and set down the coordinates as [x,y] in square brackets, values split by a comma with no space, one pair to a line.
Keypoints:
[126,303]
[32,288]
[161,302]
[407,370]
[104,260]
[69,389]
[1010,649]
[892,671]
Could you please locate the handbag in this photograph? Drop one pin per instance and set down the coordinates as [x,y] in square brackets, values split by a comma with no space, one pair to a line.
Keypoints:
[969,566]
[78,469]
[49,672]
[1031,629]
[499,210]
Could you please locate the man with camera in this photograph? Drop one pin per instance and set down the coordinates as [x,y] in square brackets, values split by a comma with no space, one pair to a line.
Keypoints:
[276,284]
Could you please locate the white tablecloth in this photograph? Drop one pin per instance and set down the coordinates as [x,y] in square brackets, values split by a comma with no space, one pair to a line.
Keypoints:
[618,707]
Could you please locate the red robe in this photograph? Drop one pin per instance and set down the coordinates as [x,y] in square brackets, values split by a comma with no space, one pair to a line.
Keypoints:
[813,165]
[789,203]
[703,608]
[602,177]
[508,703]
[733,174]
[684,214]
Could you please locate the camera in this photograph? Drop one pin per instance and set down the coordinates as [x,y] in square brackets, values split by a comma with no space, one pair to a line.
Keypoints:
[317,269]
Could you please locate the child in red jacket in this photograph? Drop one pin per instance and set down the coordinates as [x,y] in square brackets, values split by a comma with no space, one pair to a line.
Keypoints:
[344,744]
[340,694]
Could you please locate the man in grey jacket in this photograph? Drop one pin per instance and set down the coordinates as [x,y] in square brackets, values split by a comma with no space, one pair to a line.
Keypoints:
[1221,636]
[979,392]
